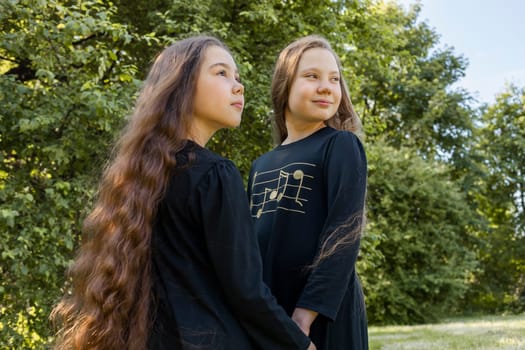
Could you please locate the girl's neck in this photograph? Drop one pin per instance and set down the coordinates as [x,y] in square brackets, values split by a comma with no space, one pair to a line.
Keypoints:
[199,133]
[298,132]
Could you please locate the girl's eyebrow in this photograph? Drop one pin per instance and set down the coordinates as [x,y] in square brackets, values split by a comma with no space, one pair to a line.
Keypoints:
[317,69]
[224,65]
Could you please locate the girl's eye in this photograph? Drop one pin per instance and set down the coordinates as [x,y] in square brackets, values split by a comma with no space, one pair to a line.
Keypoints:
[222,72]
[238,79]
[311,75]
[336,79]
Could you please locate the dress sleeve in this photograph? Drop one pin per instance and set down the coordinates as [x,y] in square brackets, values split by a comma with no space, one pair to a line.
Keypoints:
[345,173]
[234,253]
[249,183]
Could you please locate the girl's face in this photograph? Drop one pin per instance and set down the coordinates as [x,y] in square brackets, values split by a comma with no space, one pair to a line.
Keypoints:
[219,95]
[315,92]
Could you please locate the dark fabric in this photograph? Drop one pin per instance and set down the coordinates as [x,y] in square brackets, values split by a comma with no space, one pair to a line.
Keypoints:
[208,284]
[299,194]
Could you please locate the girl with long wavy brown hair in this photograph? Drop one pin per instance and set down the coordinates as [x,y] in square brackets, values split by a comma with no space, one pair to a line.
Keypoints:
[169,259]
[307,197]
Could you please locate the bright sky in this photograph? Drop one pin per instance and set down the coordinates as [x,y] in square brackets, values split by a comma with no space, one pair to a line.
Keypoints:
[489,33]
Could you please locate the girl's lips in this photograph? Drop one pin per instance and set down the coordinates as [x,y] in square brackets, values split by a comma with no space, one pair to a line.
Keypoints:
[322,102]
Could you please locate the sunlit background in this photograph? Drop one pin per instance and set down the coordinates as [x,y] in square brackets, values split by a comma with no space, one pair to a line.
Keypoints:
[490,34]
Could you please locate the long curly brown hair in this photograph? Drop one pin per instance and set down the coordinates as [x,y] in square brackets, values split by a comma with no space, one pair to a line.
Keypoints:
[284,73]
[108,304]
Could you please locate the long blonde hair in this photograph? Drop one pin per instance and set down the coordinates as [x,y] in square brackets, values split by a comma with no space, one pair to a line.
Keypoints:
[108,306]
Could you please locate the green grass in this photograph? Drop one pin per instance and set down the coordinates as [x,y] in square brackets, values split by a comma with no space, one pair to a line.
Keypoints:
[481,333]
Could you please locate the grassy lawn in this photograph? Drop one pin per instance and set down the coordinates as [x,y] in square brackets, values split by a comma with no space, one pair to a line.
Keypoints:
[481,333]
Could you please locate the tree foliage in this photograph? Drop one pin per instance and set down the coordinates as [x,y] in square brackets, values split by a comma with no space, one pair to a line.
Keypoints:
[66,84]
[403,82]
[422,225]
[500,197]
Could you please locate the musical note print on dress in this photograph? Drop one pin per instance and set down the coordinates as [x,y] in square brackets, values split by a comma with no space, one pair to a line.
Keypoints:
[282,188]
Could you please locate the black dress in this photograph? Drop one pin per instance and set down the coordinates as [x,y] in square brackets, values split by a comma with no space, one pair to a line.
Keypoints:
[208,286]
[300,193]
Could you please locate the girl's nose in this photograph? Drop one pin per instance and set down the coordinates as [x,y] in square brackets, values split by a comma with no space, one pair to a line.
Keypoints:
[238,89]
[324,88]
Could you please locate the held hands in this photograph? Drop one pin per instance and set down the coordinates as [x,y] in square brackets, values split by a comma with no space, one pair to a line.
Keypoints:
[304,319]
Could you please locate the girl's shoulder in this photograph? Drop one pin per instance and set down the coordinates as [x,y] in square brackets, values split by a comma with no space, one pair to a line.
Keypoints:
[199,163]
[344,147]
[334,139]
[341,134]
[328,135]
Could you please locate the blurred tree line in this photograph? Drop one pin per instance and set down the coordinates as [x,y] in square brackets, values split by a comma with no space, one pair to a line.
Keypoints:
[446,197]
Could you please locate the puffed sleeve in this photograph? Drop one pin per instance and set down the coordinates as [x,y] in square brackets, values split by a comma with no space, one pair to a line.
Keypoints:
[234,252]
[345,173]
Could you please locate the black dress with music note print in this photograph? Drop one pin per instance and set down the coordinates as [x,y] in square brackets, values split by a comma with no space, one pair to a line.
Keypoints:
[300,193]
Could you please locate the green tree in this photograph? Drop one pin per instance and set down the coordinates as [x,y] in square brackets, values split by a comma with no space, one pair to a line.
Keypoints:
[420,223]
[66,83]
[402,82]
[501,198]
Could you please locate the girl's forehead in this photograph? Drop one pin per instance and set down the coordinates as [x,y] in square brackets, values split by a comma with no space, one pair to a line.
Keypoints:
[319,58]
[216,54]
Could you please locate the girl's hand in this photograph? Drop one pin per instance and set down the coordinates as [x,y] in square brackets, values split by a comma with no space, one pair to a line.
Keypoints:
[312,346]
[304,319]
